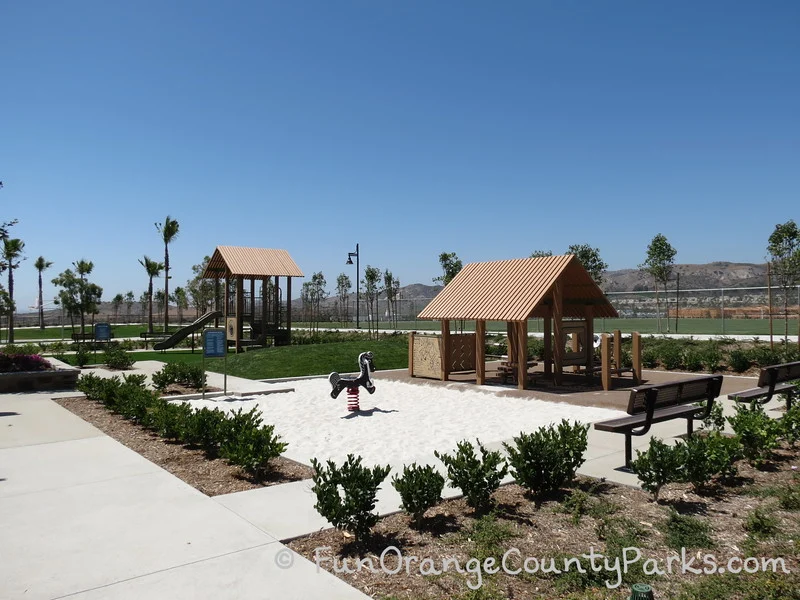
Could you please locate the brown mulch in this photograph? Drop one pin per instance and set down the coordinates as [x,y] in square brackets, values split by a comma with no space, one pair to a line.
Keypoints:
[451,530]
[212,477]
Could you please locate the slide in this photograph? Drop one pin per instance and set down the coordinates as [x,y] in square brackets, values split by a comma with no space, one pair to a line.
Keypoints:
[189,329]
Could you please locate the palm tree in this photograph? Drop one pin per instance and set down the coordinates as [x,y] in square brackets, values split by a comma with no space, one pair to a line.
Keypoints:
[12,249]
[41,265]
[153,269]
[168,231]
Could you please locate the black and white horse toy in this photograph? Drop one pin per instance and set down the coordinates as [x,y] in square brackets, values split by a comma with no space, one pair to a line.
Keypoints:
[338,383]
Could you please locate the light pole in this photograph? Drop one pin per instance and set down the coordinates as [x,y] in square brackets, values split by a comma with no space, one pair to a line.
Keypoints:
[350,256]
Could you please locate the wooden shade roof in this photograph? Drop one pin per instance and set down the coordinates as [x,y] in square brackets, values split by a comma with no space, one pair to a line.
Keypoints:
[236,261]
[518,289]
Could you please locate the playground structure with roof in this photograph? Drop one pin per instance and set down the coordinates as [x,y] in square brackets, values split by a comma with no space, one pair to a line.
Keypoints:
[267,311]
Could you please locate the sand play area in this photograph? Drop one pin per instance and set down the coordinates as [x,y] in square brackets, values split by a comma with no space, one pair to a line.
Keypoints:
[401,422]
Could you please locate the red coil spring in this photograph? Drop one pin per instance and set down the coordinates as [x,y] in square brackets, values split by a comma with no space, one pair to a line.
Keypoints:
[352,399]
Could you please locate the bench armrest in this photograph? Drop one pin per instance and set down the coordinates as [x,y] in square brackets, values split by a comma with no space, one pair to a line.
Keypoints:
[650,398]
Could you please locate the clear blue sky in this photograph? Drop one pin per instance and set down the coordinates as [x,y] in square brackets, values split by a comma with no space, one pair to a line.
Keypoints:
[413,128]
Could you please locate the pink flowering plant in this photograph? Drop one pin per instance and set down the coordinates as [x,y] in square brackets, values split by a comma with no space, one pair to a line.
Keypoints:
[13,363]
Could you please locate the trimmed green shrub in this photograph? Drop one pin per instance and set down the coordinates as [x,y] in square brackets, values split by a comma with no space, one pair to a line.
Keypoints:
[757,432]
[252,449]
[671,355]
[116,358]
[346,494]
[82,355]
[709,455]
[206,429]
[659,465]
[711,356]
[477,478]
[548,458]
[693,359]
[420,488]
[535,348]
[649,358]
[191,376]
[169,420]
[739,360]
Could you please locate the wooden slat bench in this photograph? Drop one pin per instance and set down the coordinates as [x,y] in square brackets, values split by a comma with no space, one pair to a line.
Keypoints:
[774,379]
[660,402]
[508,370]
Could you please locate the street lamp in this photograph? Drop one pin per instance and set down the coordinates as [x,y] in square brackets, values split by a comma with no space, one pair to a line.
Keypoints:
[350,256]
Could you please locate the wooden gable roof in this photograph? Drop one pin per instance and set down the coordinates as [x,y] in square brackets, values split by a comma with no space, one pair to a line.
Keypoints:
[236,261]
[518,289]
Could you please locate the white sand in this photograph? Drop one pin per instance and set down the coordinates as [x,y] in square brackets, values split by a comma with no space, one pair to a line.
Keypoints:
[408,423]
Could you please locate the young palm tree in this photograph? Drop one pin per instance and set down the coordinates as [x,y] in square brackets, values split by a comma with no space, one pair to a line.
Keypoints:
[12,250]
[153,269]
[41,265]
[168,231]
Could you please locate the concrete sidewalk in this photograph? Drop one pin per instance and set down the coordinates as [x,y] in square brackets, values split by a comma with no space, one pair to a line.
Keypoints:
[83,516]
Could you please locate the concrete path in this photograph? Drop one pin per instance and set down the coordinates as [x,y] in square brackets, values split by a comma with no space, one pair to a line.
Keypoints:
[83,516]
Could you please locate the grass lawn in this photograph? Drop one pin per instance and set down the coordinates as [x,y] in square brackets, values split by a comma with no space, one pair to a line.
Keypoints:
[291,361]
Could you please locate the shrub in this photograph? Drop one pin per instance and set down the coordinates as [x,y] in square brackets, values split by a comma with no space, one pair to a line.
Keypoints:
[58,349]
[659,465]
[790,424]
[671,355]
[577,505]
[709,455]
[420,488]
[535,348]
[548,458]
[346,494]
[477,478]
[253,448]
[206,429]
[82,355]
[684,531]
[789,497]
[117,358]
[764,356]
[757,432]
[191,376]
[169,420]
[649,358]
[693,359]
[711,356]
[739,360]
[715,420]
[488,535]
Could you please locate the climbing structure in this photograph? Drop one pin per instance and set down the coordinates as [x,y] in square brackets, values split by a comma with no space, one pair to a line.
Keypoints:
[257,295]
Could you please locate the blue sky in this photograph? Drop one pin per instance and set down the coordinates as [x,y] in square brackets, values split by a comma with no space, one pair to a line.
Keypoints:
[413,128]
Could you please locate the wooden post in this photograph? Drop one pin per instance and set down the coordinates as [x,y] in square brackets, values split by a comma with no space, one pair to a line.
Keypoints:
[276,305]
[216,300]
[576,346]
[588,312]
[480,352]
[605,351]
[239,313]
[252,301]
[445,350]
[264,315]
[617,349]
[288,309]
[411,353]
[558,332]
[510,341]
[522,353]
[548,344]
[636,351]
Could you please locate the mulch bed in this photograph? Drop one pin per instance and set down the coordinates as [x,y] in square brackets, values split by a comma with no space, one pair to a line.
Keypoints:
[451,529]
[212,477]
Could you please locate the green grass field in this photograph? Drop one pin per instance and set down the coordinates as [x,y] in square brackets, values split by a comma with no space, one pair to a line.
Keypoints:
[645,326]
[290,361]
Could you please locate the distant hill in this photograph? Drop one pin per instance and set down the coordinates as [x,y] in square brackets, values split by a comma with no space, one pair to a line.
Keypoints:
[710,275]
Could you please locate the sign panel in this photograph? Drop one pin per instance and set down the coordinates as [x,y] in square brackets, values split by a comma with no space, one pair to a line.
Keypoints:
[102,332]
[231,325]
[214,343]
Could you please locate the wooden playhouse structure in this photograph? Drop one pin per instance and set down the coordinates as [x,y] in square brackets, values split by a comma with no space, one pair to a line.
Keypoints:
[557,289]
[267,311]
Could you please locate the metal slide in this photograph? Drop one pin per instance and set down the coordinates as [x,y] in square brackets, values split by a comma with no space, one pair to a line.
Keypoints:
[186,331]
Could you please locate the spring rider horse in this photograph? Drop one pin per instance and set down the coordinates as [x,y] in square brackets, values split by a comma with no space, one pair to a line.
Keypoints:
[338,383]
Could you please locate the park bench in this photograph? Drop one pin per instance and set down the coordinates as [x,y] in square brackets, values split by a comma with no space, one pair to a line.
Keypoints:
[82,337]
[508,371]
[660,402]
[774,379]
